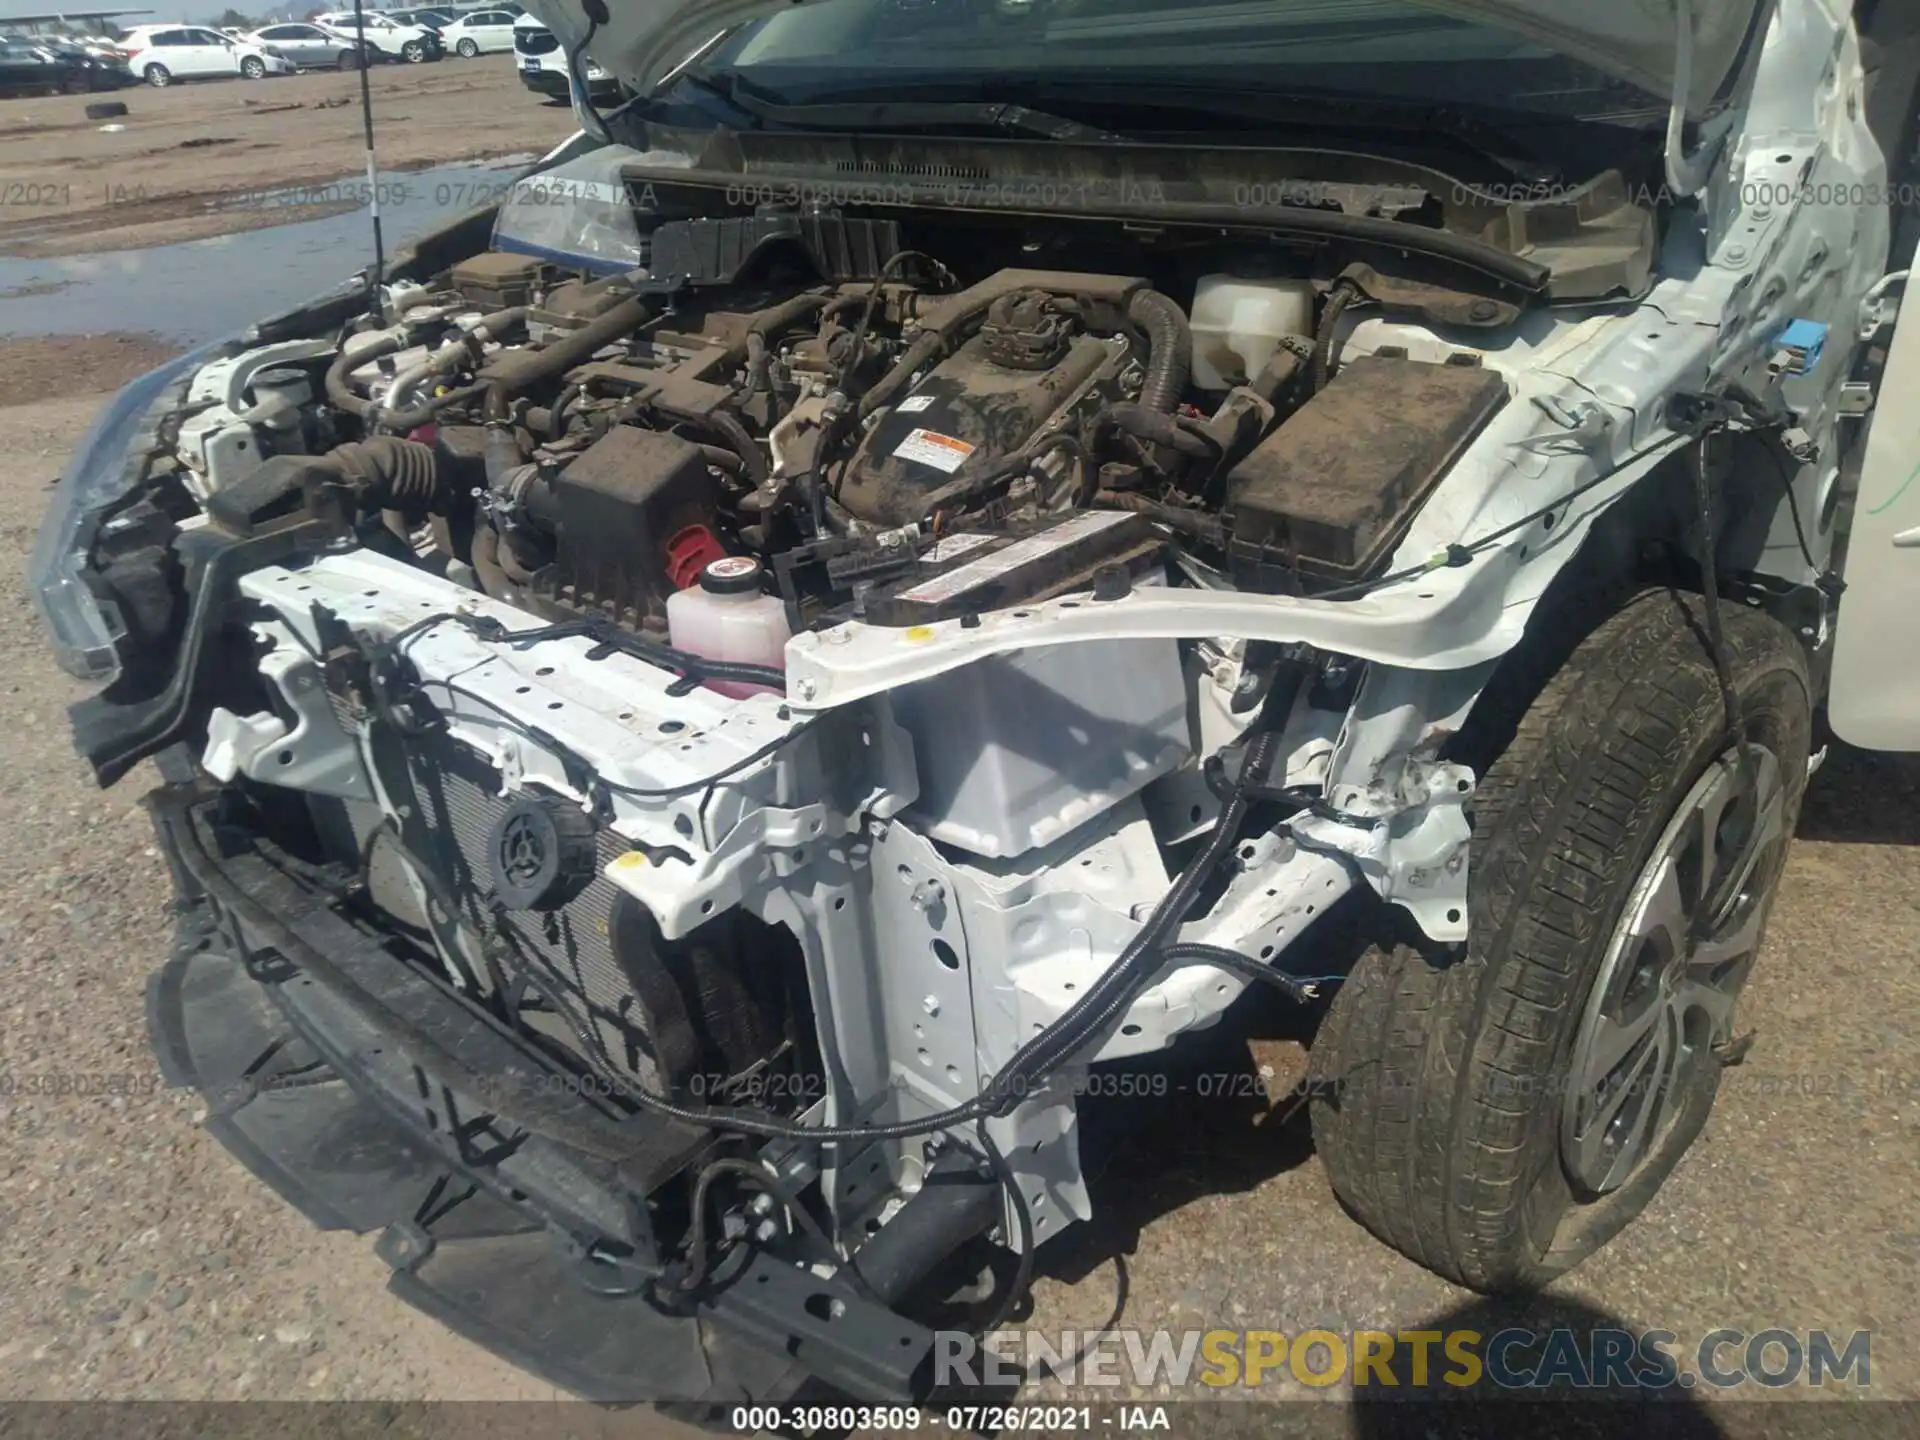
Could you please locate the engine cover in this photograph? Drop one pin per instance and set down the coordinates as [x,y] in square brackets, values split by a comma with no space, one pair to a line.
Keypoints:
[981,404]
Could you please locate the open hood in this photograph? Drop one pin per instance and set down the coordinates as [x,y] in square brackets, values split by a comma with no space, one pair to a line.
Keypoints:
[642,41]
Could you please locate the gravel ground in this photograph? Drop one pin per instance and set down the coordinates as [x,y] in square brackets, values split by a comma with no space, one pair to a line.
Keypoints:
[137,1260]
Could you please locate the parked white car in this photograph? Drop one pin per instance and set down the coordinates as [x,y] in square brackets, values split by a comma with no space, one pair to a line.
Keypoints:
[543,63]
[162,54]
[311,47]
[479,32]
[414,44]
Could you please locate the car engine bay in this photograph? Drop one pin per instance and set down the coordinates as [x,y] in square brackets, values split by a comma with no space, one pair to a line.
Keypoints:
[780,693]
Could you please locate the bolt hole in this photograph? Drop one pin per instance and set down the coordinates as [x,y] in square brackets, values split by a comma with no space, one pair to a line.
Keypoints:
[672,727]
[953,1074]
[683,826]
[839,902]
[1266,953]
[825,1307]
[523,689]
[1195,814]
[944,953]
[285,757]
[544,670]
[706,907]
[1129,1029]
[554,704]
[1453,917]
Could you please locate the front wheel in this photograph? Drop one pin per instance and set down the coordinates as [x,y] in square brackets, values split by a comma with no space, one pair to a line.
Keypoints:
[413,52]
[467,49]
[253,68]
[158,76]
[1499,1115]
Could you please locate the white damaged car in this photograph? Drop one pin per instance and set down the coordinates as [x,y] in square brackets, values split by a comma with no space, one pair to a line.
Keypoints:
[703,713]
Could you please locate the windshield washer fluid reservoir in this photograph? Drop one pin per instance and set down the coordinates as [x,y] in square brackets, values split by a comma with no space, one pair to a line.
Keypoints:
[1238,324]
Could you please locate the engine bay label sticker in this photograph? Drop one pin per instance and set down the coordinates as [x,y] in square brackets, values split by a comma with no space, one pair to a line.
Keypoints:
[930,447]
[1021,552]
[914,404]
[954,546]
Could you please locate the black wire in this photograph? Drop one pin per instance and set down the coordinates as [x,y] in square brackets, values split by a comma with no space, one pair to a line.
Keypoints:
[759,1177]
[573,757]
[1023,1219]
[855,351]
[1793,506]
[603,632]
[1708,539]
[1457,555]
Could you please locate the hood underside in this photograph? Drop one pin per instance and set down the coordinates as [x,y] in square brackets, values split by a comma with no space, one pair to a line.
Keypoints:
[642,41]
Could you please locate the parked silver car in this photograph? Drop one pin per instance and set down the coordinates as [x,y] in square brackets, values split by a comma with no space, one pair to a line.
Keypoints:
[313,47]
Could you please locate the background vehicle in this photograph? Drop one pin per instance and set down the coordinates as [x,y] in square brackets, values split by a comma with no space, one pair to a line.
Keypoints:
[431,18]
[414,44]
[543,64]
[40,68]
[478,32]
[162,54]
[311,47]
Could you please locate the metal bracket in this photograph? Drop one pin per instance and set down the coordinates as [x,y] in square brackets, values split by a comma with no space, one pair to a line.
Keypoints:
[1877,310]
[315,753]
[1856,398]
[1416,859]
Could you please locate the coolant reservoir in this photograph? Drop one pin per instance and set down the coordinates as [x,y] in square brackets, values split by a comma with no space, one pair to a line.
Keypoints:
[726,617]
[1237,325]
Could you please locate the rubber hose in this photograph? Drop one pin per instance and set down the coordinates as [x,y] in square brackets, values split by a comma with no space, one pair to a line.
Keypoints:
[336,383]
[493,580]
[728,428]
[1344,294]
[516,372]
[1170,353]
[391,473]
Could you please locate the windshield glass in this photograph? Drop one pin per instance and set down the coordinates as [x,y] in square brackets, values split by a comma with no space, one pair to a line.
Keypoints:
[1366,49]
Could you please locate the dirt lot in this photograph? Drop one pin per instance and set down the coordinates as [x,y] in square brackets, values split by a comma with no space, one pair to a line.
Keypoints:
[220,156]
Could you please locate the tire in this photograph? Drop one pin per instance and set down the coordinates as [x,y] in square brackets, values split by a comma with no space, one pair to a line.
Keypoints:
[467,48]
[158,76]
[413,52]
[1451,1105]
[348,60]
[106,109]
[253,68]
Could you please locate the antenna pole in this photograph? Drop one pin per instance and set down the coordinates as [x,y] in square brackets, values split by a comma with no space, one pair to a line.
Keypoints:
[378,272]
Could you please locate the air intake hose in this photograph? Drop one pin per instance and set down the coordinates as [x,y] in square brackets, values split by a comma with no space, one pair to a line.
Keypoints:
[1170,349]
